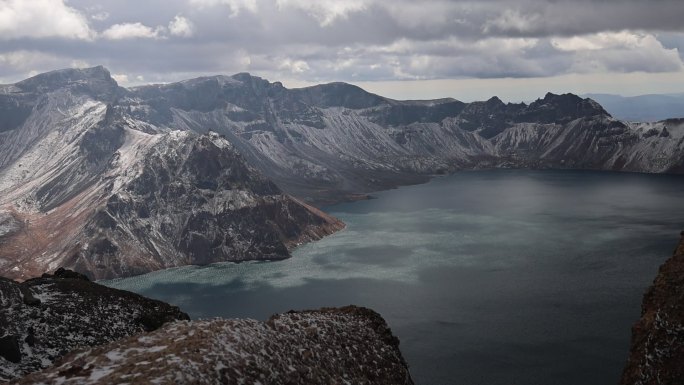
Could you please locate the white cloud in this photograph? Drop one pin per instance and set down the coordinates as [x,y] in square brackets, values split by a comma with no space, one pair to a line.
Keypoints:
[326,11]
[181,26]
[24,59]
[512,21]
[244,60]
[624,51]
[128,80]
[79,64]
[235,6]
[26,63]
[131,31]
[294,66]
[178,26]
[422,15]
[42,19]
[345,40]
[605,40]
[120,78]
[100,16]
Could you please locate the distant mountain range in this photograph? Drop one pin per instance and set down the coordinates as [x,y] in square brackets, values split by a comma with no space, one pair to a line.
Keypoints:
[642,108]
[114,182]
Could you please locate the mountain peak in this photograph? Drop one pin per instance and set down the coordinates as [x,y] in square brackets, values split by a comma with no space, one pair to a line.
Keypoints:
[340,94]
[70,75]
[243,75]
[495,101]
[247,77]
[566,97]
[566,106]
[95,80]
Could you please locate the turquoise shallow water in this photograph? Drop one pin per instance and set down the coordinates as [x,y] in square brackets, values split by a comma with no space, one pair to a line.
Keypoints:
[487,277]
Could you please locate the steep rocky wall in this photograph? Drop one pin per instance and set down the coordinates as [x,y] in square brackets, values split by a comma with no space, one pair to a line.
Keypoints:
[657,350]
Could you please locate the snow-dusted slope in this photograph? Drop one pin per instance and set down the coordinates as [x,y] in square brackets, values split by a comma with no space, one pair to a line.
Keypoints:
[348,345]
[61,319]
[336,140]
[85,185]
[45,318]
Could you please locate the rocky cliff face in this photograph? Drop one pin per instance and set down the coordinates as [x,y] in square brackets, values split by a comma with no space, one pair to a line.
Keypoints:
[86,186]
[44,318]
[348,345]
[657,350]
[94,334]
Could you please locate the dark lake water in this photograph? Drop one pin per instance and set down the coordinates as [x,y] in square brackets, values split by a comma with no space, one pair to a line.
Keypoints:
[488,277]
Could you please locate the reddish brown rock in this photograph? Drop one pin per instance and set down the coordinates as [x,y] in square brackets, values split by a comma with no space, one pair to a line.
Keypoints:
[657,351]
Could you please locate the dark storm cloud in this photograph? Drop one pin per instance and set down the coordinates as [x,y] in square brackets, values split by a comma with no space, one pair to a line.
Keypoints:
[343,40]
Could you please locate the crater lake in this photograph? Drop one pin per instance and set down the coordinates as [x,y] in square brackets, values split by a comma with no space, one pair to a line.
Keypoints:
[487,277]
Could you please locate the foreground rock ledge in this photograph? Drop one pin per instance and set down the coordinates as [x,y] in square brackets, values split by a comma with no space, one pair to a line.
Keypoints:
[657,351]
[45,318]
[349,345]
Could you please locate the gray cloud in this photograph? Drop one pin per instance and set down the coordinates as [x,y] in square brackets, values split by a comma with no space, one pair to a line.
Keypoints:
[353,40]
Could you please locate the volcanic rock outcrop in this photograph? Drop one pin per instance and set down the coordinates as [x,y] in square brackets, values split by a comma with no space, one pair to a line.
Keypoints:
[349,345]
[657,350]
[45,318]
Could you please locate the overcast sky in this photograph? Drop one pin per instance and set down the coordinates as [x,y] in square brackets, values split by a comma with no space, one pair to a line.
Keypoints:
[517,49]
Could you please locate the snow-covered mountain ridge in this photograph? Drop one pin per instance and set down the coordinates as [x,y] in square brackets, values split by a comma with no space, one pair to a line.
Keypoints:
[114,182]
[335,141]
[84,186]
